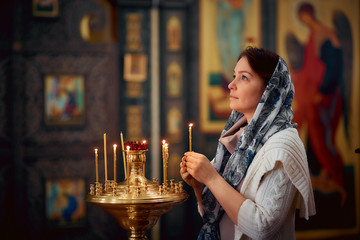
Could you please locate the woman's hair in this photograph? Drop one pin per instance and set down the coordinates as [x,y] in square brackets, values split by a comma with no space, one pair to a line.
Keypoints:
[307,8]
[262,61]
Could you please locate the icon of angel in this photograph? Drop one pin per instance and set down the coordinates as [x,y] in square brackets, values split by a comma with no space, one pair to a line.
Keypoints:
[322,75]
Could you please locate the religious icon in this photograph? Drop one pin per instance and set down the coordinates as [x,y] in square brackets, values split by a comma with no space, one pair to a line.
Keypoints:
[135,72]
[135,67]
[225,26]
[318,39]
[173,34]
[174,80]
[64,100]
[45,8]
[65,205]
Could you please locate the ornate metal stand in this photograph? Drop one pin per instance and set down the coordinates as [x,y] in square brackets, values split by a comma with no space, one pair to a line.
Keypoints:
[137,203]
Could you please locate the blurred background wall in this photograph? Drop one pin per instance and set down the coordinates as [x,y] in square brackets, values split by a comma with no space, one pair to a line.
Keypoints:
[71,70]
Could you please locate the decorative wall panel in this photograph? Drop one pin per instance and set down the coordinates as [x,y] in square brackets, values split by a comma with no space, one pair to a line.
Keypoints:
[30,49]
[134,81]
[98,221]
[64,33]
[174,115]
[94,67]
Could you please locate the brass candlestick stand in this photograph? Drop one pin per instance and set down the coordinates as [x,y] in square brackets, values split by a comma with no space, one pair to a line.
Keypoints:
[137,203]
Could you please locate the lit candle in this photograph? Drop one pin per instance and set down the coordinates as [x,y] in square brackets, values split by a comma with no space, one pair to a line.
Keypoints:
[105,159]
[144,143]
[127,163]
[123,152]
[163,146]
[96,165]
[166,162]
[144,147]
[165,156]
[190,137]
[163,149]
[115,162]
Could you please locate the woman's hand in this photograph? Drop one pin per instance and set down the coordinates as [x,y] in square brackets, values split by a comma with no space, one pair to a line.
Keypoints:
[199,167]
[190,180]
[186,175]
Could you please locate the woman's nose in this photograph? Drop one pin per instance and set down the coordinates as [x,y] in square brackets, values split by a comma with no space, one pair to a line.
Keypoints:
[231,85]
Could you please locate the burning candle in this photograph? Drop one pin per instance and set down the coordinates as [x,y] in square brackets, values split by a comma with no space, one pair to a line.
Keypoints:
[190,137]
[144,145]
[166,162]
[115,162]
[127,163]
[96,165]
[163,146]
[165,158]
[123,152]
[105,159]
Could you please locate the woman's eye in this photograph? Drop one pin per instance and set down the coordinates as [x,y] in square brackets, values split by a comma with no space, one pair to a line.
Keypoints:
[234,76]
[243,77]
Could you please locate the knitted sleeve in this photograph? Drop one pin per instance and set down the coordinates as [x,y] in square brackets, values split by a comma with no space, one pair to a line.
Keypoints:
[262,218]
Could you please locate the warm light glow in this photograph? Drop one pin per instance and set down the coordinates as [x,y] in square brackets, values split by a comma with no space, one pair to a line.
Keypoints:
[190,124]
[115,145]
[96,150]
[144,141]
[128,148]
[163,141]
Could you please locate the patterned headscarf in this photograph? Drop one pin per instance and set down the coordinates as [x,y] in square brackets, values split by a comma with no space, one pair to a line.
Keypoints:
[273,114]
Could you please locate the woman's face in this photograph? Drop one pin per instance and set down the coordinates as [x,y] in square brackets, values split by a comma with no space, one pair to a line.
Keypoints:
[246,89]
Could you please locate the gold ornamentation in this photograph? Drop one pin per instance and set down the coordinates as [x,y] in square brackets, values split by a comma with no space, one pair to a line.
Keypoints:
[133,32]
[137,203]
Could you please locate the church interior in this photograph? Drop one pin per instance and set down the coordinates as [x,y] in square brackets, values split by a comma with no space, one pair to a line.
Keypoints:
[76,72]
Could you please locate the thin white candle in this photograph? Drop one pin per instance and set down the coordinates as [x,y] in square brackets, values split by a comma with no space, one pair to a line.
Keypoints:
[165,156]
[124,159]
[96,165]
[115,162]
[127,163]
[190,137]
[105,158]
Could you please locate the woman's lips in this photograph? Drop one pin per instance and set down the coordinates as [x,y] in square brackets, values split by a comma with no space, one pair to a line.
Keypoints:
[233,97]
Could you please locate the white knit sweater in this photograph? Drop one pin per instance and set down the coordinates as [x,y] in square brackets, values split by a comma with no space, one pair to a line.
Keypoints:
[277,182]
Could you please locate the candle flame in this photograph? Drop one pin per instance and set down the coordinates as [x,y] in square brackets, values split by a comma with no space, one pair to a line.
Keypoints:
[190,124]
[144,141]
[96,150]
[115,145]
[163,141]
[128,147]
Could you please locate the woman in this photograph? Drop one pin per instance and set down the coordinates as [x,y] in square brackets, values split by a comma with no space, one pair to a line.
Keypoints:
[259,175]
